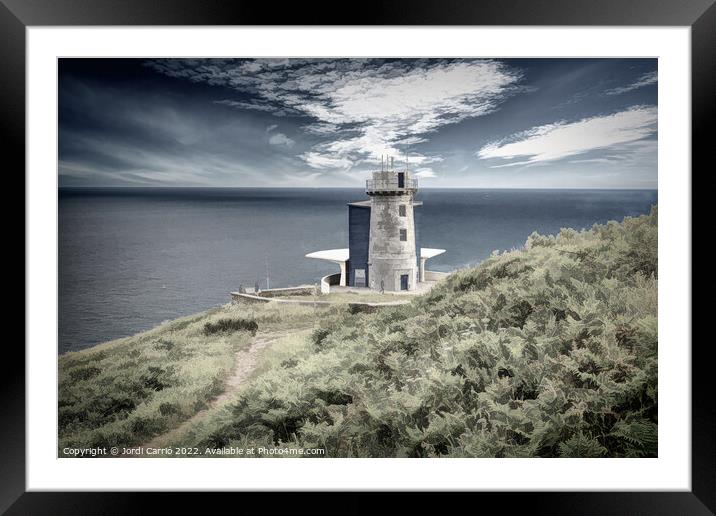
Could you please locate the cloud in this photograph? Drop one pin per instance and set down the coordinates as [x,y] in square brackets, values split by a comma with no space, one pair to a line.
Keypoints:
[246,105]
[320,129]
[636,154]
[364,108]
[320,161]
[562,139]
[271,128]
[281,139]
[644,80]
[389,112]
[425,173]
[256,106]
[594,160]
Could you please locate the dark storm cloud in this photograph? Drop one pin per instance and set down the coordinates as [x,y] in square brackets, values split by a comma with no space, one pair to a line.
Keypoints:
[327,122]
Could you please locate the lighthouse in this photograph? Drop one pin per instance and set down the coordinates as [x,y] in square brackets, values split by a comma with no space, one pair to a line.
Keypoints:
[392,250]
[383,251]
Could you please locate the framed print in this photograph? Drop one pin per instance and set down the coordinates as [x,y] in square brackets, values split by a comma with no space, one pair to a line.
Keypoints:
[439,249]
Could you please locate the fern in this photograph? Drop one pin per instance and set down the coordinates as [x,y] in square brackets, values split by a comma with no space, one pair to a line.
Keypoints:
[580,445]
[638,437]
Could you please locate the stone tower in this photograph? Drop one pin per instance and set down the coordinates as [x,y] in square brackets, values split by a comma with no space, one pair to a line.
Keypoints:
[383,238]
[392,249]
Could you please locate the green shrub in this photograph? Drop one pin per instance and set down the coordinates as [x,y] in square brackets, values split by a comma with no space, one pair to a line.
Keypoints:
[230,326]
[84,373]
[319,335]
[166,409]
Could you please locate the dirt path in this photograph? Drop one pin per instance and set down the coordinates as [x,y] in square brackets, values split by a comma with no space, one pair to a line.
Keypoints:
[245,361]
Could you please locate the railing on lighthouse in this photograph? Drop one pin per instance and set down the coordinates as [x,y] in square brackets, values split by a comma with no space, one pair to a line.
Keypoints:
[376,186]
[390,182]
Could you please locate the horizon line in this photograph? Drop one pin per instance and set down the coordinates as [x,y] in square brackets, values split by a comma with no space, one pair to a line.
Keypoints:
[362,188]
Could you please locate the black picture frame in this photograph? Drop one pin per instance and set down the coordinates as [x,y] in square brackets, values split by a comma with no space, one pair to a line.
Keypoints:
[700,15]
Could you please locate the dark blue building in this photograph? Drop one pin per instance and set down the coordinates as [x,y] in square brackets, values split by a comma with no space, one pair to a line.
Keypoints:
[358,241]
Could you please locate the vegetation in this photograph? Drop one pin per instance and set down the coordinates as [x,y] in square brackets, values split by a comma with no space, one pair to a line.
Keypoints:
[546,351]
[125,391]
[230,326]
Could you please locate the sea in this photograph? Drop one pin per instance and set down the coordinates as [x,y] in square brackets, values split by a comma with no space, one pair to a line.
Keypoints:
[131,258]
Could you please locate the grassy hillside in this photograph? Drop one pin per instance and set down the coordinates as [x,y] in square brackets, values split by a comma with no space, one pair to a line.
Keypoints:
[547,351]
[124,392]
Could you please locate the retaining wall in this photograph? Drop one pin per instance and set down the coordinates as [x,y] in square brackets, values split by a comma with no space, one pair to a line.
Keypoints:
[327,281]
[238,297]
[303,290]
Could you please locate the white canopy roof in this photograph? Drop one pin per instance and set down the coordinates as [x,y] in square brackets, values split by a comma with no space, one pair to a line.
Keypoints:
[333,255]
[429,252]
[342,255]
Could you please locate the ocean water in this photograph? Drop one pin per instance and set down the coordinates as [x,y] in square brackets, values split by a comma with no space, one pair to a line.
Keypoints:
[130,258]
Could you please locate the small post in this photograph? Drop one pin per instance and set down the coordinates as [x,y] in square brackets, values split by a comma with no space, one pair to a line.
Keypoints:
[268,279]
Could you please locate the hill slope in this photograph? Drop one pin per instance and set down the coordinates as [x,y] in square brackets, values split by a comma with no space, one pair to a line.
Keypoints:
[549,351]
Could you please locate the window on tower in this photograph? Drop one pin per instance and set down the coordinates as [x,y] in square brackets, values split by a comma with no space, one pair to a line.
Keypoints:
[403,235]
[401,210]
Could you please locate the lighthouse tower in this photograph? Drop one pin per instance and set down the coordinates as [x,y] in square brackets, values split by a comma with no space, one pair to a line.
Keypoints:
[383,247]
[392,252]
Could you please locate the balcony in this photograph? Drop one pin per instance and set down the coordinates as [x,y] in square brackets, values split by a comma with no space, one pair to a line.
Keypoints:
[390,186]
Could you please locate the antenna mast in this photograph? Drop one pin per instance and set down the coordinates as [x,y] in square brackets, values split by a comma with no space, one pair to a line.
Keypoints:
[268,278]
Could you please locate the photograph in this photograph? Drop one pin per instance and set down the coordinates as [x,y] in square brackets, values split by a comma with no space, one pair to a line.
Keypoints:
[357,257]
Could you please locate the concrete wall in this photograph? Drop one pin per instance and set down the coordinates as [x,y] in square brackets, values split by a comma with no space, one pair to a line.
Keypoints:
[237,297]
[327,281]
[389,257]
[305,290]
[270,294]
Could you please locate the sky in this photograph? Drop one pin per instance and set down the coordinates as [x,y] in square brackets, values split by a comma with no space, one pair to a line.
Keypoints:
[480,123]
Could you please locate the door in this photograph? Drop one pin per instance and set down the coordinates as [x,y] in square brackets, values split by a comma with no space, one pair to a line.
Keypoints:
[401,179]
[359,278]
[404,282]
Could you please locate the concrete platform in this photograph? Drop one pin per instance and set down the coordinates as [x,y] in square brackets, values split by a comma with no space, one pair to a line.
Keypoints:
[421,288]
